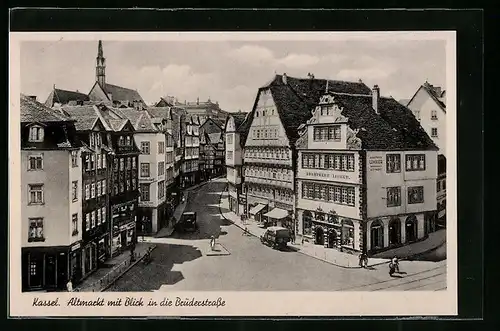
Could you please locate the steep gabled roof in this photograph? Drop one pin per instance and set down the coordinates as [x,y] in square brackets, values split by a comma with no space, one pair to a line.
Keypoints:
[85,116]
[238,118]
[434,92]
[211,126]
[34,111]
[64,97]
[394,128]
[296,97]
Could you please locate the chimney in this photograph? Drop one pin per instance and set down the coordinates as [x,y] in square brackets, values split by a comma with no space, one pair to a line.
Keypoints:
[198,101]
[283,78]
[375,97]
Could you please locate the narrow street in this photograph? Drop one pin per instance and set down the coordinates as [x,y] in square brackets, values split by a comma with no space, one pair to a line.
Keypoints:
[180,262]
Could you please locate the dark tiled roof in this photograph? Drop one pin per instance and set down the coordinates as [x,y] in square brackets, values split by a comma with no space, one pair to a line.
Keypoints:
[34,111]
[163,103]
[436,93]
[117,124]
[64,97]
[394,129]
[296,98]
[211,126]
[159,112]
[122,94]
[85,116]
[238,118]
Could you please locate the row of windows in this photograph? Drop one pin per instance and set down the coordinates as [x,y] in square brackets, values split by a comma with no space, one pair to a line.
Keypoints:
[119,164]
[268,153]
[266,133]
[276,194]
[95,218]
[93,161]
[96,189]
[332,193]
[265,112]
[340,162]
[415,195]
[269,173]
[327,133]
[120,186]
[414,162]
[125,141]
[434,116]
[145,190]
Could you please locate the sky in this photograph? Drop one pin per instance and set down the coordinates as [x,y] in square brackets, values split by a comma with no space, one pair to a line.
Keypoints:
[229,72]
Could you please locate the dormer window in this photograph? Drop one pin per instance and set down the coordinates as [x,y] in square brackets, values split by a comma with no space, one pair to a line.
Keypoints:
[36,133]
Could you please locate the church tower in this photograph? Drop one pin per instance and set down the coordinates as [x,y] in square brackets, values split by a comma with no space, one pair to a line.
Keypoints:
[100,68]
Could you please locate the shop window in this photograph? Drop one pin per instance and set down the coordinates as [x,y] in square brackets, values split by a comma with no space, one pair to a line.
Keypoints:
[348,233]
[307,223]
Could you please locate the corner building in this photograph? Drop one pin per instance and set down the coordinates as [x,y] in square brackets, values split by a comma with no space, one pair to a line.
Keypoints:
[366,174]
[281,108]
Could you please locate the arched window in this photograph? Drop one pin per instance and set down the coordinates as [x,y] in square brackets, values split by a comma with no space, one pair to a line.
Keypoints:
[36,133]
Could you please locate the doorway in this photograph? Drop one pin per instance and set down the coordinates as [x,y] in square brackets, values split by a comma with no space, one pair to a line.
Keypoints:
[411,228]
[319,236]
[332,238]
[394,232]
[377,235]
[35,272]
[50,271]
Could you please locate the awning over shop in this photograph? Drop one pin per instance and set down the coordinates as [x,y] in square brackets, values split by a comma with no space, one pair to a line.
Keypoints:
[277,214]
[257,209]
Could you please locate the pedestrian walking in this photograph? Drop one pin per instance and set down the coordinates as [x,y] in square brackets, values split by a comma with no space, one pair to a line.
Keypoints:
[395,263]
[69,285]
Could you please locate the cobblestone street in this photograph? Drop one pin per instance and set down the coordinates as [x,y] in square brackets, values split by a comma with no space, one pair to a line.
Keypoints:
[180,262]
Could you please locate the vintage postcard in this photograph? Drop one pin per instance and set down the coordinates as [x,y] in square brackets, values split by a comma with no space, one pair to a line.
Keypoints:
[233,174]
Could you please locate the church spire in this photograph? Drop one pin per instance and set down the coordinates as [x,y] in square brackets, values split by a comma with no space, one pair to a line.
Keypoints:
[100,69]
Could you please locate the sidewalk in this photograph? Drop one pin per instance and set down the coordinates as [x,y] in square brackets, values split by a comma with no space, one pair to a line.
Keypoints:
[167,231]
[114,268]
[435,240]
[329,255]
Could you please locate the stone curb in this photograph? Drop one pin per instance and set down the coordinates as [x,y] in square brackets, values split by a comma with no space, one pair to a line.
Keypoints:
[125,271]
[318,258]
[253,234]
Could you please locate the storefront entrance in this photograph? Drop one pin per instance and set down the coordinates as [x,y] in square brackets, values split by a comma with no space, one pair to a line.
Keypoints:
[319,237]
[411,228]
[394,232]
[333,239]
[377,235]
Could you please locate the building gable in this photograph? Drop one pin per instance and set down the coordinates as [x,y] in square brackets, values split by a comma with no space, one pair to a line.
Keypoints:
[98,94]
[266,127]
[230,125]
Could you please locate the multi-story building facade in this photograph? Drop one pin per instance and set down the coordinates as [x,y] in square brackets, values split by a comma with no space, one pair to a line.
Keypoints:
[366,174]
[269,153]
[428,105]
[190,174]
[212,149]
[235,131]
[95,156]
[51,199]
[150,137]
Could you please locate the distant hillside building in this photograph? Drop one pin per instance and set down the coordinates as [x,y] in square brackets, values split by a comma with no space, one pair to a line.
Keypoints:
[201,109]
